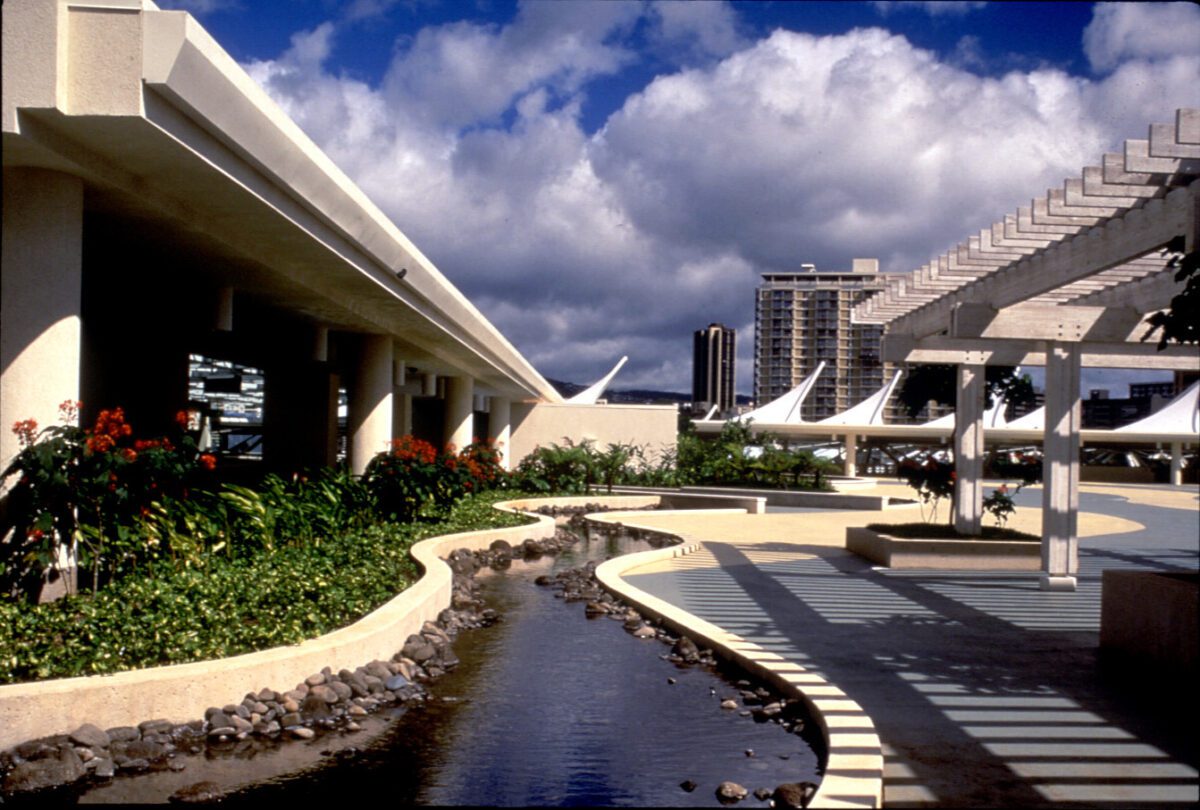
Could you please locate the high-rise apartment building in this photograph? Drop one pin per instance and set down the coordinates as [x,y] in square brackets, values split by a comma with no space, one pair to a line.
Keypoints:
[713,371]
[803,318]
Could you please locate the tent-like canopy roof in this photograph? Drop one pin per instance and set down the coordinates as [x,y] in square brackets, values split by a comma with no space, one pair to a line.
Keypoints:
[1180,415]
[786,409]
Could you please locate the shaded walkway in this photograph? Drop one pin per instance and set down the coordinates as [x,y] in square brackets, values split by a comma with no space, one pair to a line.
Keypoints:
[985,690]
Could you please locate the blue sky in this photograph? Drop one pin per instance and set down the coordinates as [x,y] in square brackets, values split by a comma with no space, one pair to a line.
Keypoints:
[604,178]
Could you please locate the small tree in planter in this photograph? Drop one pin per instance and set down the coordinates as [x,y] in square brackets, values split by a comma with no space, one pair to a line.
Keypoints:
[933,480]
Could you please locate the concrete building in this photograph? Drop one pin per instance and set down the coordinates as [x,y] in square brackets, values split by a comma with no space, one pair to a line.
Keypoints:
[714,375]
[158,205]
[803,318]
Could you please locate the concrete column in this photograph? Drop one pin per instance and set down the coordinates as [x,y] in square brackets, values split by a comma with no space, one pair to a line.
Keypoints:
[500,428]
[968,449]
[1060,468]
[300,417]
[40,298]
[402,414]
[850,452]
[370,425]
[460,416]
[1176,464]
[224,315]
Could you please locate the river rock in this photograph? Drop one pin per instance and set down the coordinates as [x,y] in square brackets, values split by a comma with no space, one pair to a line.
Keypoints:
[794,794]
[686,649]
[302,733]
[52,771]
[396,683]
[315,679]
[687,785]
[729,704]
[159,726]
[325,693]
[199,793]
[90,736]
[762,794]
[341,691]
[123,733]
[138,749]
[103,768]
[731,792]
[645,631]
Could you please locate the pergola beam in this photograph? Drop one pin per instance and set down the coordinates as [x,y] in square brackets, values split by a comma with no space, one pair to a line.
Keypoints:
[942,349]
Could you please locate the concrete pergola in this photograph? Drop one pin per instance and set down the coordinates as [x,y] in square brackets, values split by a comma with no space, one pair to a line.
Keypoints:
[1063,283]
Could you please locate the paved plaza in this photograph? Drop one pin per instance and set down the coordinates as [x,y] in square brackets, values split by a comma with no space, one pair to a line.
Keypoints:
[986,691]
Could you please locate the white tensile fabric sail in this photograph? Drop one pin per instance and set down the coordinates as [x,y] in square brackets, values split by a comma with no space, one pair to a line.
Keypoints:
[592,393]
[867,412]
[1034,420]
[993,417]
[786,409]
[1180,415]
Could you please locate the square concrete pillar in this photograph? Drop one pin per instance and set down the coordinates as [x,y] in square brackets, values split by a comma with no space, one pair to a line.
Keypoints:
[371,408]
[1060,468]
[460,411]
[41,275]
[968,449]
[402,414]
[500,428]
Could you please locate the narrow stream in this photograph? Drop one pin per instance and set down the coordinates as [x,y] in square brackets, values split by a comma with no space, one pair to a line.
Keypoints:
[547,708]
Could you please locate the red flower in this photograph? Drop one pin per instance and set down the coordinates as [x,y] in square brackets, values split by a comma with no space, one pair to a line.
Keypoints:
[181,419]
[208,461]
[129,455]
[26,431]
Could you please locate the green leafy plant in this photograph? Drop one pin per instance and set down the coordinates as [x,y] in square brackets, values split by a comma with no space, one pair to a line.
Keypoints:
[225,605]
[933,480]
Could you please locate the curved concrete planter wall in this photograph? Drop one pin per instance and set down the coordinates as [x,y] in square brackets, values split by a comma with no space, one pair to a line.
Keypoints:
[854,770]
[182,692]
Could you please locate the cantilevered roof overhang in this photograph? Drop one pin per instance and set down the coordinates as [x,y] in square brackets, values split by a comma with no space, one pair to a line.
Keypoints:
[167,131]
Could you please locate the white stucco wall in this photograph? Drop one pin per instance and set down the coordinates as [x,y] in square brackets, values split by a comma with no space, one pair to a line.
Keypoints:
[652,427]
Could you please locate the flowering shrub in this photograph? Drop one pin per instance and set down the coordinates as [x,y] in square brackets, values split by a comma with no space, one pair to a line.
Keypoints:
[931,478]
[87,488]
[413,476]
[1000,504]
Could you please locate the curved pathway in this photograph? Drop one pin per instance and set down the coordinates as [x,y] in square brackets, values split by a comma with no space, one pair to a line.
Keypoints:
[985,690]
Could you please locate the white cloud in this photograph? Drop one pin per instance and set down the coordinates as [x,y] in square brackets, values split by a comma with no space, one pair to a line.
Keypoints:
[1122,31]
[695,31]
[791,149]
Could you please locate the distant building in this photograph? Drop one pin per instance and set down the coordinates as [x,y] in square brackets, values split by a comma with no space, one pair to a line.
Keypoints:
[803,318]
[713,370]
[1100,412]
[1149,389]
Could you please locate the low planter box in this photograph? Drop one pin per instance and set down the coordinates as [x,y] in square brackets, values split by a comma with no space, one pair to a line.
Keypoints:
[1149,619]
[951,554]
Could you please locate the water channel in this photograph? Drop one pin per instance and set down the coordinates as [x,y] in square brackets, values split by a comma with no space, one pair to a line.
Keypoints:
[547,708]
